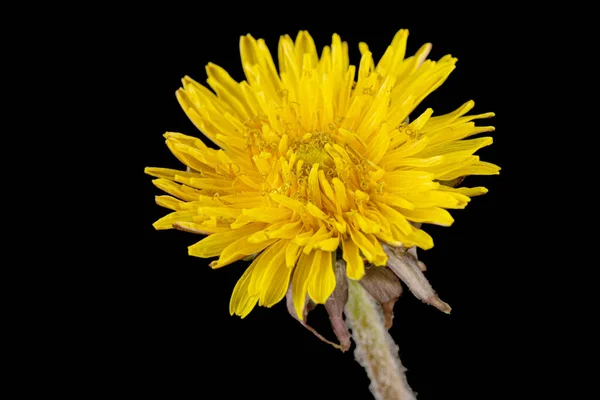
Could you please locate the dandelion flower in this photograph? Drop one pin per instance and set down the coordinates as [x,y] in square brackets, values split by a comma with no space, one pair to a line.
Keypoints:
[318,164]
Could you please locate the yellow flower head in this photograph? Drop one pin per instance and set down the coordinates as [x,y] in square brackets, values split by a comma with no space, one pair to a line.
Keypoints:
[317,158]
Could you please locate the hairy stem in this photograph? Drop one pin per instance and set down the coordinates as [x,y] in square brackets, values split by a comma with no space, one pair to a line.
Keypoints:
[375,349]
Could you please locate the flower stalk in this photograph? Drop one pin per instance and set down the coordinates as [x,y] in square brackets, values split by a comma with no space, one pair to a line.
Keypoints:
[375,349]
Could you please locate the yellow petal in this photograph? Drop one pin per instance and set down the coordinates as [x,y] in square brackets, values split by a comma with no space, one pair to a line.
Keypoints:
[176,190]
[199,229]
[258,65]
[355,267]
[476,168]
[365,224]
[287,202]
[167,221]
[378,147]
[300,282]
[316,212]
[238,250]
[309,242]
[437,198]
[388,237]
[270,279]
[190,156]
[380,258]
[408,149]
[188,107]
[400,181]
[394,200]
[241,302]
[262,214]
[168,173]
[321,281]
[457,132]
[325,186]
[469,146]
[214,244]
[394,55]
[241,200]
[201,96]
[280,230]
[365,243]
[420,122]
[471,192]
[286,231]
[258,237]
[306,46]
[292,252]
[340,195]
[275,253]
[278,286]
[226,212]
[169,202]
[446,119]
[330,244]
[227,89]
[433,215]
[313,185]
[451,162]
[218,185]
[304,237]
[395,218]
[420,238]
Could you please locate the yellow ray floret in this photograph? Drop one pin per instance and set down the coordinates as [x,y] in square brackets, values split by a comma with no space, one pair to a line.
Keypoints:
[316,156]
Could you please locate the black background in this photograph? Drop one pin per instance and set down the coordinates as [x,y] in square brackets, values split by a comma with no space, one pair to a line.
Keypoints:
[190,347]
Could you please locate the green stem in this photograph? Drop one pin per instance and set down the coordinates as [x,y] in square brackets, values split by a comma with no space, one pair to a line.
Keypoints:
[375,349]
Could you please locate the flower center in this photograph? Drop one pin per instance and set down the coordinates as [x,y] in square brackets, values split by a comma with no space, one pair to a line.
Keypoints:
[311,149]
[297,162]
